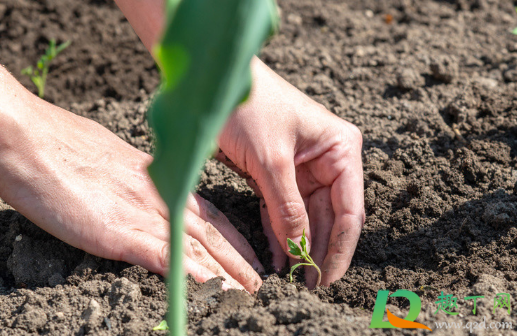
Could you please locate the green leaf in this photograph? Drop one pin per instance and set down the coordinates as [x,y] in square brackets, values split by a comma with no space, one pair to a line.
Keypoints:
[303,242]
[37,81]
[62,46]
[27,71]
[51,50]
[41,64]
[162,326]
[293,248]
[204,56]
[514,31]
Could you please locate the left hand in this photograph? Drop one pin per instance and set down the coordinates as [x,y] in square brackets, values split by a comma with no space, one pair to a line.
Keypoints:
[305,165]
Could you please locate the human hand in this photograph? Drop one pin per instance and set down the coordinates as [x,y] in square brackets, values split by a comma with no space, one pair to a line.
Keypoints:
[305,165]
[84,185]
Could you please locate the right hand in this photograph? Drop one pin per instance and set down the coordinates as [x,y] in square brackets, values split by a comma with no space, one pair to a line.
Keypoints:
[84,185]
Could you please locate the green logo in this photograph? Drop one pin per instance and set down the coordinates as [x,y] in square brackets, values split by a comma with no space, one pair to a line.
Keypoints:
[415,305]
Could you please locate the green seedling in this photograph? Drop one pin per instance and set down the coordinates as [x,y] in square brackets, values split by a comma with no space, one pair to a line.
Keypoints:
[204,56]
[162,326]
[295,250]
[39,74]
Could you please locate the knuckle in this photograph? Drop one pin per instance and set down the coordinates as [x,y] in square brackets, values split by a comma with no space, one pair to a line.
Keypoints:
[292,215]
[355,137]
[164,257]
[278,162]
[196,251]
[213,237]
[362,220]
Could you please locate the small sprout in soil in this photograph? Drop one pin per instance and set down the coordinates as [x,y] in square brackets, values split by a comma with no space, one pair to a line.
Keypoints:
[296,251]
[162,326]
[39,74]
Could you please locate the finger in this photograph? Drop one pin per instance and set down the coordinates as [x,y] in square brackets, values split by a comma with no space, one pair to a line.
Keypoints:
[221,157]
[321,217]
[209,213]
[147,195]
[253,185]
[197,252]
[155,225]
[222,251]
[279,256]
[285,204]
[140,248]
[307,182]
[201,273]
[294,261]
[348,204]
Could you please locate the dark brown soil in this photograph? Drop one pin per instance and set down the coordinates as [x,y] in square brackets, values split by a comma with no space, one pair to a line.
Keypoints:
[432,85]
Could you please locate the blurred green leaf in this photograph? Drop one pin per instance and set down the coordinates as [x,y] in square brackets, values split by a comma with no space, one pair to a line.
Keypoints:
[62,47]
[204,56]
[27,71]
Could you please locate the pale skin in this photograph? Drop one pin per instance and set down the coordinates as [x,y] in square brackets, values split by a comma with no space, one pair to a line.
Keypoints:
[81,183]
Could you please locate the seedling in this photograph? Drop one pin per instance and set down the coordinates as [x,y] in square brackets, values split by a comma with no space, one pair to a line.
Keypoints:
[295,250]
[39,74]
[162,326]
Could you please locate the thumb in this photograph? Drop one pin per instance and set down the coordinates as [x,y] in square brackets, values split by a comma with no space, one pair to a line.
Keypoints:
[285,204]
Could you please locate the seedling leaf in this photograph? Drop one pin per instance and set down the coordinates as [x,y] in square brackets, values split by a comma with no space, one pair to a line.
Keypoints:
[514,31]
[293,248]
[62,46]
[162,326]
[303,242]
[27,71]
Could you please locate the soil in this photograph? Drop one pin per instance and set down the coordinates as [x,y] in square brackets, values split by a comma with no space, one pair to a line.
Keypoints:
[432,86]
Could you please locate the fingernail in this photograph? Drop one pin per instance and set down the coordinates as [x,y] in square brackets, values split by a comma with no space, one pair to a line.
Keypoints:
[257,266]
